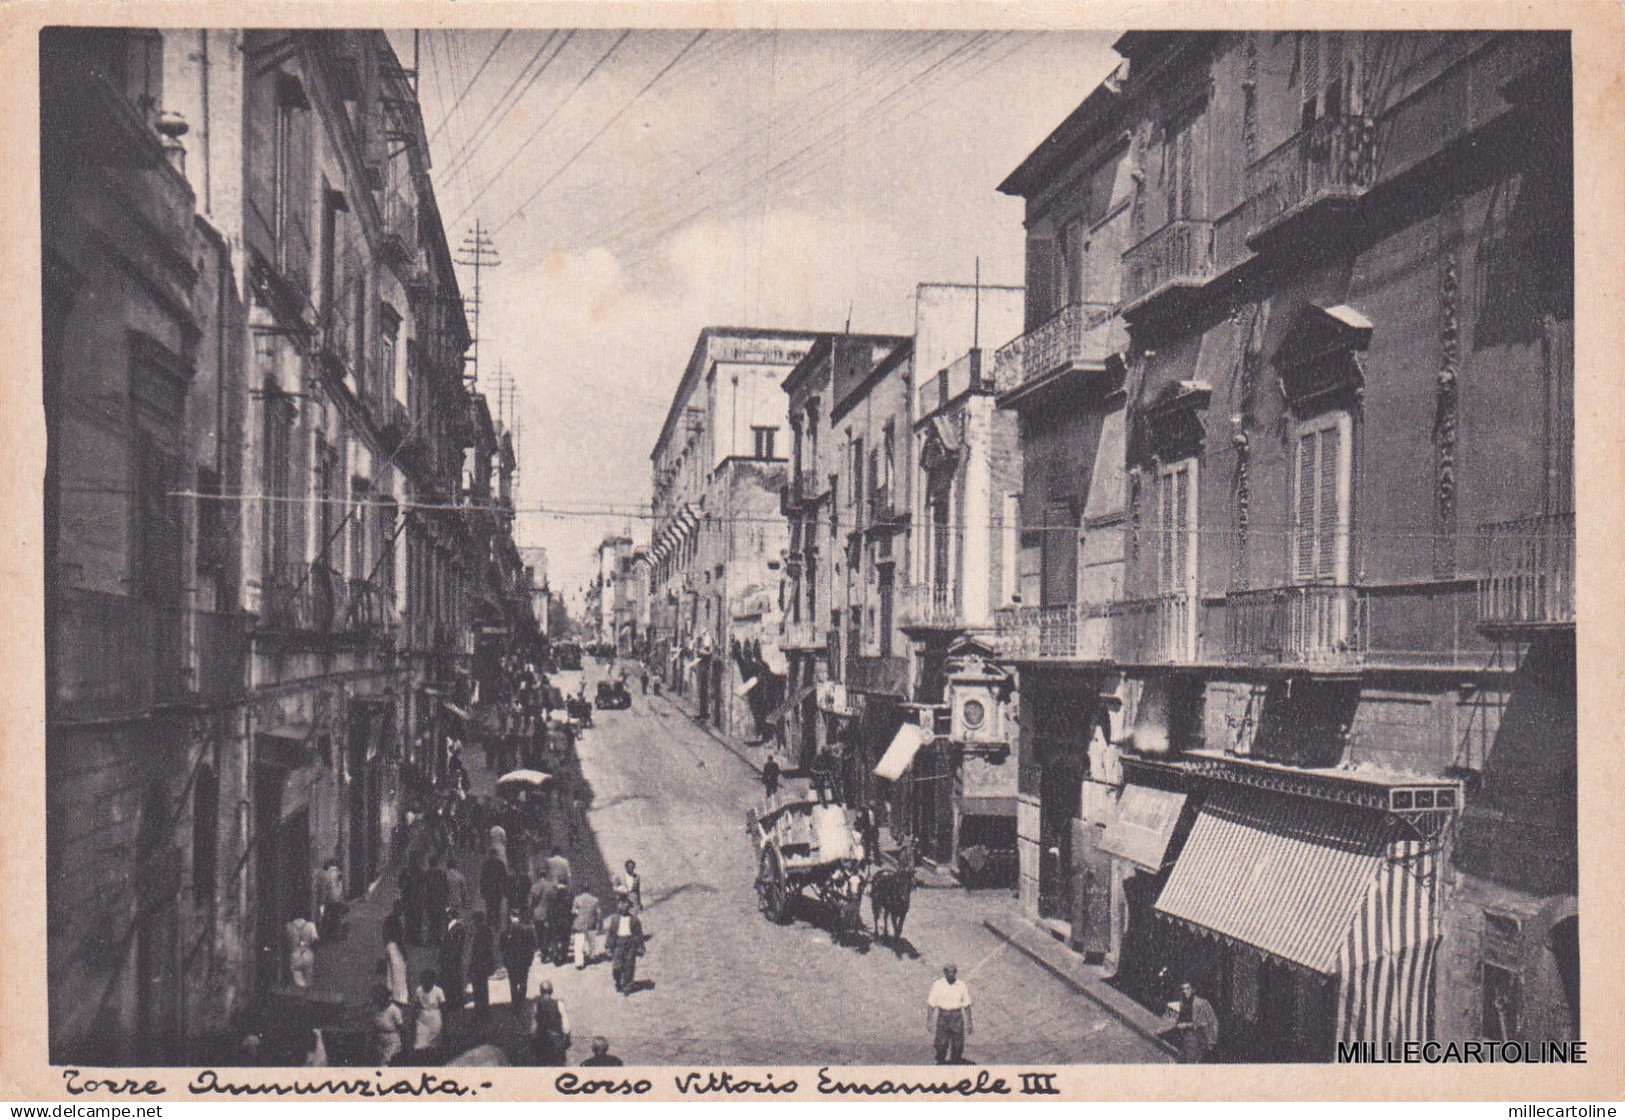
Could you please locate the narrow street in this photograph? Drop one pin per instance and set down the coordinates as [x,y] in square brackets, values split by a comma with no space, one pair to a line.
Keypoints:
[729,986]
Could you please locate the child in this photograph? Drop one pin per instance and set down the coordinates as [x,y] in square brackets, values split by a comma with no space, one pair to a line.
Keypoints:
[429,999]
[386,1025]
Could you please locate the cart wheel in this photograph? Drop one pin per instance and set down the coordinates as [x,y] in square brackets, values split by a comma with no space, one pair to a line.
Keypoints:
[771,891]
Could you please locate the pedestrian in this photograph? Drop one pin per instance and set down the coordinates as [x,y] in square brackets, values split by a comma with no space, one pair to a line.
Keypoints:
[453,963]
[583,927]
[643,677]
[494,881]
[429,998]
[551,1041]
[601,1055]
[395,961]
[413,880]
[629,885]
[947,1016]
[387,1021]
[302,938]
[518,948]
[457,900]
[436,888]
[330,908]
[557,948]
[770,776]
[1196,1027]
[625,945]
[558,868]
[482,961]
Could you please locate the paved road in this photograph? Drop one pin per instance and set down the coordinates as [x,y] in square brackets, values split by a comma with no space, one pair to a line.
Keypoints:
[731,987]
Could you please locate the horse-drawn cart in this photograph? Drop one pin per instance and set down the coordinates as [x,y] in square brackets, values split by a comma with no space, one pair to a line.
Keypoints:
[803,845]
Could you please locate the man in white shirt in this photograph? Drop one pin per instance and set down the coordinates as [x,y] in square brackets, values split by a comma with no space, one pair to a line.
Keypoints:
[947,1016]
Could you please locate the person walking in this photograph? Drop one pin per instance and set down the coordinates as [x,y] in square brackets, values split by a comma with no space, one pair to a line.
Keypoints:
[518,947]
[629,885]
[453,964]
[457,900]
[436,890]
[558,868]
[584,924]
[601,1055]
[551,1040]
[482,961]
[387,1021]
[302,938]
[771,775]
[395,961]
[494,881]
[1196,1027]
[947,1016]
[330,908]
[559,917]
[625,945]
[429,998]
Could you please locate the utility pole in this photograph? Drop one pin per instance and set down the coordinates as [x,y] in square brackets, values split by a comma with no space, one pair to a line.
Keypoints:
[479,253]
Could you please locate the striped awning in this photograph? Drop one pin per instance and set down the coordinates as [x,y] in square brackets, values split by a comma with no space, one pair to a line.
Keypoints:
[1144,825]
[1286,875]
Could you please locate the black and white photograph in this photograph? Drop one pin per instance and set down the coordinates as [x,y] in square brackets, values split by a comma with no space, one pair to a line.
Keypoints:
[787,547]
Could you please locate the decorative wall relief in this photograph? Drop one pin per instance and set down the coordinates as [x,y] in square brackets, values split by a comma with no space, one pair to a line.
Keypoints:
[1445,413]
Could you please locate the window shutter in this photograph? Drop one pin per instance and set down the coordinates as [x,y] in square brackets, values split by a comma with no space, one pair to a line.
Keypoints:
[1303,511]
[1326,515]
[1180,528]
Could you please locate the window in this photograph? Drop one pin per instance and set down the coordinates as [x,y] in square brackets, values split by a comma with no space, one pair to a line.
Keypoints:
[1320,505]
[388,514]
[389,327]
[1178,165]
[361,494]
[762,439]
[205,838]
[158,529]
[1069,263]
[358,341]
[1176,527]
[855,492]
[279,416]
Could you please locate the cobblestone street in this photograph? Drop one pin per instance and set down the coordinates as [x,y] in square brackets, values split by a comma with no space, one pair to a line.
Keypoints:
[729,986]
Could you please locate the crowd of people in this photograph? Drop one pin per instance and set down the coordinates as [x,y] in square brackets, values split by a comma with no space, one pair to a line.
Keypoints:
[522,910]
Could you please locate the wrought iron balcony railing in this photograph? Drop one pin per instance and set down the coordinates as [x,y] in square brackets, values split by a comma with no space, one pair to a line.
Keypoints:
[1530,573]
[1177,256]
[1304,625]
[932,608]
[1066,632]
[1079,336]
[1333,159]
[1156,630]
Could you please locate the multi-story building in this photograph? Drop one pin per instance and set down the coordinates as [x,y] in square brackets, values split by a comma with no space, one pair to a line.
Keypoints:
[965,463]
[1305,660]
[815,705]
[719,533]
[614,554]
[253,361]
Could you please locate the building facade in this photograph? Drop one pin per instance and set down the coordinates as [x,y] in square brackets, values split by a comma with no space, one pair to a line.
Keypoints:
[719,532]
[1308,605]
[259,547]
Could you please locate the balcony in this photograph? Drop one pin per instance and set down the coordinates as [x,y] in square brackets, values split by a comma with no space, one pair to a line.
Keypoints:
[1164,271]
[371,609]
[931,608]
[878,675]
[882,512]
[1160,630]
[1066,632]
[394,423]
[113,656]
[400,232]
[1530,580]
[1079,339]
[303,601]
[1312,179]
[1316,625]
[802,636]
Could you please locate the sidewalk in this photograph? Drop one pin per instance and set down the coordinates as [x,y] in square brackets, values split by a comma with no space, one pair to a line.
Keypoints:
[1069,967]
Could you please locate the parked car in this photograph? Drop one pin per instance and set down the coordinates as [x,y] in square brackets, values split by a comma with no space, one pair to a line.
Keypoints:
[613,695]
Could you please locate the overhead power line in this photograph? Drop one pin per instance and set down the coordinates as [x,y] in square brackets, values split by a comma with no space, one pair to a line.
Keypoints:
[519,151]
[551,179]
[463,157]
[455,105]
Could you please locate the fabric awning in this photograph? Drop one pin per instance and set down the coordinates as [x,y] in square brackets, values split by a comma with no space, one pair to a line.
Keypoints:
[904,746]
[1145,823]
[1284,874]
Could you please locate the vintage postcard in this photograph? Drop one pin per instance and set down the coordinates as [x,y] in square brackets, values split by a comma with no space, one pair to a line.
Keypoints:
[812,552]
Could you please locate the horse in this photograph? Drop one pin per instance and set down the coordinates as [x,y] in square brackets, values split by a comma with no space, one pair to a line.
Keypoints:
[889,893]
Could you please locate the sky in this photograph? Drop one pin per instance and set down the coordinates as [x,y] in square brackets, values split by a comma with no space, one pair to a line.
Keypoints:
[641,185]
